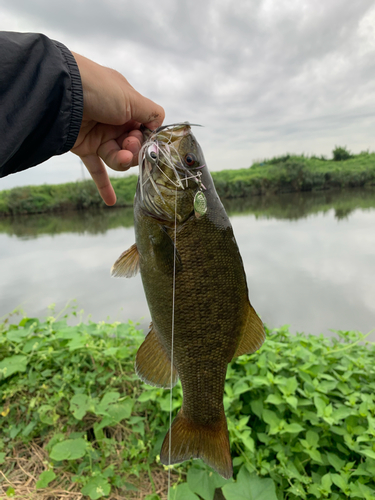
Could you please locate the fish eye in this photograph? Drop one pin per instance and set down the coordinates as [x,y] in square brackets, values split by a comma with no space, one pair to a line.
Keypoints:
[190,159]
[152,153]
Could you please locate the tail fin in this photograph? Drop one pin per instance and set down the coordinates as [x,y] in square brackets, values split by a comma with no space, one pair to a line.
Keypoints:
[189,440]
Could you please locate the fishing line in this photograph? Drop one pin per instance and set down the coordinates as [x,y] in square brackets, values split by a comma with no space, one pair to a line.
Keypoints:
[172,342]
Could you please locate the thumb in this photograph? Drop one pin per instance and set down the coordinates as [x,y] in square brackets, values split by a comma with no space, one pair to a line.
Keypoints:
[145,111]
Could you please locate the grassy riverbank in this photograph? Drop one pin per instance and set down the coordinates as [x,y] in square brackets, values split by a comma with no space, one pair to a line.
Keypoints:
[75,420]
[277,175]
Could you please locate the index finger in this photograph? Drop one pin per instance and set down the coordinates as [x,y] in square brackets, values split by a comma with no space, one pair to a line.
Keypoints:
[99,175]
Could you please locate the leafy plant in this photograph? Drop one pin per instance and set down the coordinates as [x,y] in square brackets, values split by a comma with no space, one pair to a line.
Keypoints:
[341,154]
[301,416]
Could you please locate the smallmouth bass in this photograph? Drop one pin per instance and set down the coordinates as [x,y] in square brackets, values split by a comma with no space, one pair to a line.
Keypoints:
[184,237]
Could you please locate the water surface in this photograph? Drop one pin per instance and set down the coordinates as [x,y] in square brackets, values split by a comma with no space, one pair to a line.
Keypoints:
[309,260]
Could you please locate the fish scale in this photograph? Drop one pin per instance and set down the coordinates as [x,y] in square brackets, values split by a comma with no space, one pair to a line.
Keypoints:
[207,318]
[213,318]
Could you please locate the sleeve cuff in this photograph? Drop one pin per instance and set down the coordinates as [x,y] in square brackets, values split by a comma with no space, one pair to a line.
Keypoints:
[76,98]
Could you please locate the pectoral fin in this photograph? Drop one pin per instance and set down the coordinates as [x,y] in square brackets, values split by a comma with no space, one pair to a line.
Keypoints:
[253,334]
[127,265]
[153,364]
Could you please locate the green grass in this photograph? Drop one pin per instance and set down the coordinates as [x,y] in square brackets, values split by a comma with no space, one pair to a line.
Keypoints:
[81,195]
[301,417]
[278,175]
[296,173]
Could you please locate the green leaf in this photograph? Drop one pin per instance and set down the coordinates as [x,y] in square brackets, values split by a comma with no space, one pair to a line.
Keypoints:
[289,386]
[15,430]
[297,490]
[182,492]
[10,492]
[111,351]
[240,387]
[108,472]
[117,412]
[165,403]
[257,407]
[68,333]
[28,429]
[199,483]
[97,487]
[292,401]
[292,428]
[30,323]
[362,491]
[315,455]
[335,461]
[314,490]
[320,405]
[275,399]
[341,413]
[204,482]
[77,342]
[312,438]
[250,487]
[271,418]
[326,482]
[248,442]
[71,449]
[108,399]
[148,395]
[340,481]
[17,335]
[369,453]
[47,414]
[33,344]
[11,365]
[79,404]
[2,457]
[364,469]
[45,478]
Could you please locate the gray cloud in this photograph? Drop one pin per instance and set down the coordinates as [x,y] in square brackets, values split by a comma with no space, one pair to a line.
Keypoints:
[264,77]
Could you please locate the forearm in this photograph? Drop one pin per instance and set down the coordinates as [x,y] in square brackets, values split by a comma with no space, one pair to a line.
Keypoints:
[40,100]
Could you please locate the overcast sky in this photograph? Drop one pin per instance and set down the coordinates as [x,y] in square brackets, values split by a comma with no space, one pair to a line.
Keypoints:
[264,77]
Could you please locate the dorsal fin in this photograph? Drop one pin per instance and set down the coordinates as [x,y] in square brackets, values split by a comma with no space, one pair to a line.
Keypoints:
[127,265]
[153,364]
[253,334]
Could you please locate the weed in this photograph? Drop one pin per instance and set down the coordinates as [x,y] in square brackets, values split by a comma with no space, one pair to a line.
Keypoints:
[75,418]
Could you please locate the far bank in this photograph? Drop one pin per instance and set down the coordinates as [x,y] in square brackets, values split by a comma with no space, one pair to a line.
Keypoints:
[283,174]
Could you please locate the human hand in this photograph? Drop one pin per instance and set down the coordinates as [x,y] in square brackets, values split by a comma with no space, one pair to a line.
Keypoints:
[113,111]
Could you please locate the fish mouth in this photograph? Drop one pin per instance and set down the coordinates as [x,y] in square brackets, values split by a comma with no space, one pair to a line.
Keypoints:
[161,147]
[171,132]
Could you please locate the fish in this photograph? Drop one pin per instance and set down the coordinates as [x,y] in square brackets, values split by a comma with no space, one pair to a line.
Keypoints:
[196,290]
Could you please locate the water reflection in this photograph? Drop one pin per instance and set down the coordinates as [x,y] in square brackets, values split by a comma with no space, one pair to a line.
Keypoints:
[291,206]
[83,222]
[294,206]
[309,259]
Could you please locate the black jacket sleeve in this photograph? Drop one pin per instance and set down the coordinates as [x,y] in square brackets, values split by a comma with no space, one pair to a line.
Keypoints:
[41,100]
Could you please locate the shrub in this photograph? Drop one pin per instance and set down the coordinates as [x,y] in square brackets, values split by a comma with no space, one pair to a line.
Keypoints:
[341,154]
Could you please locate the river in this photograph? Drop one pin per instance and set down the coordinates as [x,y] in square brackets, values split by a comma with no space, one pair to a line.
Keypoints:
[309,260]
